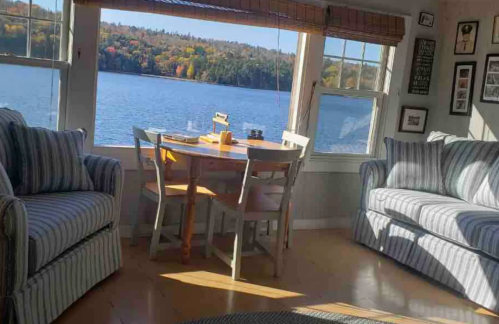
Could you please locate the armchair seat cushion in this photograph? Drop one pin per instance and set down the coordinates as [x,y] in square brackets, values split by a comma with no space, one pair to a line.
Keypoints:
[405,205]
[57,221]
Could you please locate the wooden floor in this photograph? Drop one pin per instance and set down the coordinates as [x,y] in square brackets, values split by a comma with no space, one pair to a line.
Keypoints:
[324,271]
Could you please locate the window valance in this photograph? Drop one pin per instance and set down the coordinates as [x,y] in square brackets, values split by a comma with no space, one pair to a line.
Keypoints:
[342,22]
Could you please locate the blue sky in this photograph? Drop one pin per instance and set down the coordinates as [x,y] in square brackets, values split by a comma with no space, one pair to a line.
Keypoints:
[265,37]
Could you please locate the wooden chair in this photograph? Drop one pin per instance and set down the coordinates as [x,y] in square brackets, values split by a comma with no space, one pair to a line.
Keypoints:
[294,141]
[254,205]
[160,191]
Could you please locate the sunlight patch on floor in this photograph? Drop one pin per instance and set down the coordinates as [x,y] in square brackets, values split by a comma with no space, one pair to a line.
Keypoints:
[483,311]
[218,281]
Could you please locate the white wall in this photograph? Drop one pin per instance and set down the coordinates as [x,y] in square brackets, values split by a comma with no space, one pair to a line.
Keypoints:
[484,121]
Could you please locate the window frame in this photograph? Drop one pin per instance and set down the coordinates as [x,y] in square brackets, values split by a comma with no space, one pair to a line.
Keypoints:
[62,64]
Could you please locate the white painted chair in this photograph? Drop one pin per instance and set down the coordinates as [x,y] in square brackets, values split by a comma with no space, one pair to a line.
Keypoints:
[294,141]
[254,205]
[161,192]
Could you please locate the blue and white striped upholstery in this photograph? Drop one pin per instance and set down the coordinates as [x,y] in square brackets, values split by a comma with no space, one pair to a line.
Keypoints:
[488,192]
[488,241]
[405,205]
[459,222]
[8,156]
[5,185]
[13,251]
[383,234]
[54,288]
[107,177]
[57,221]
[372,176]
[51,161]
[465,164]
[415,166]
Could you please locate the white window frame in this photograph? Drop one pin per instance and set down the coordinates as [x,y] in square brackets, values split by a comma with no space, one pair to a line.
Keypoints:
[342,158]
[62,64]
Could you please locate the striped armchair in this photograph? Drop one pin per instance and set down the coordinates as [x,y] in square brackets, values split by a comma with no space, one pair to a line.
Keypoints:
[54,246]
[452,237]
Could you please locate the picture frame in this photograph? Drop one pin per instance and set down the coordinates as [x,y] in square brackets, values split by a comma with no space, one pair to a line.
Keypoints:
[413,120]
[495,31]
[466,38]
[462,88]
[426,19]
[490,85]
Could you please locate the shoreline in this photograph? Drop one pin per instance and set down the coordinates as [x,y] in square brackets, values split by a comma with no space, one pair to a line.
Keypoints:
[185,80]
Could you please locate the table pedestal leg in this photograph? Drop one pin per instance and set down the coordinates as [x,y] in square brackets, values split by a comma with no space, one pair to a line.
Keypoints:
[190,212]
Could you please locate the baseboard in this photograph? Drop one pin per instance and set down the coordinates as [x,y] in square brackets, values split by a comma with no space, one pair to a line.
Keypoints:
[199,228]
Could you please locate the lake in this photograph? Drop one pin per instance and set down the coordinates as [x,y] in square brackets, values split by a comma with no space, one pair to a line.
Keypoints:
[125,100]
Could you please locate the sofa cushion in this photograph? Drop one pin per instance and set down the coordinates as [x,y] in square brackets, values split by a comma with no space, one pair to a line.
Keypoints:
[57,221]
[51,161]
[488,192]
[414,166]
[465,164]
[5,185]
[459,222]
[8,156]
[488,240]
[404,205]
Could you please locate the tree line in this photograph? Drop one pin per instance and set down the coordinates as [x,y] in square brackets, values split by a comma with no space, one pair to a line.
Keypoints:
[157,52]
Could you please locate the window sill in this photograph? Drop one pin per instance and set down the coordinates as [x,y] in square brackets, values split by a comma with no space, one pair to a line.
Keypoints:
[342,163]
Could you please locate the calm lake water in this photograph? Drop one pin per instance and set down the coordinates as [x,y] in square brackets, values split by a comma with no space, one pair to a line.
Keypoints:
[125,100]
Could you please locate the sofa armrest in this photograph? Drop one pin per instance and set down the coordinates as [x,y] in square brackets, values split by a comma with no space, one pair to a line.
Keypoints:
[107,175]
[372,175]
[13,248]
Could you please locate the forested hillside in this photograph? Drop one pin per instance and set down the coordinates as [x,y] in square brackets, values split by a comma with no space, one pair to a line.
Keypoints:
[140,50]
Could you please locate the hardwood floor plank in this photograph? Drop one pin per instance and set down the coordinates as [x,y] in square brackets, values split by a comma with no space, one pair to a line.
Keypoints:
[325,270]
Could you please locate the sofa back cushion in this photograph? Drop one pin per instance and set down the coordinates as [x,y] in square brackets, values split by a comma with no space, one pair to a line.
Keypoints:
[8,155]
[414,166]
[5,185]
[51,161]
[465,163]
[488,192]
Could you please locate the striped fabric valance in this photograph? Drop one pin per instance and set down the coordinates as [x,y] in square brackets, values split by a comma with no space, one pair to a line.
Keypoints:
[282,14]
[364,26]
[334,21]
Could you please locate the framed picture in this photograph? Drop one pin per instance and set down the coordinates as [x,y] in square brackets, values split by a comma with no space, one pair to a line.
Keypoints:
[490,86]
[426,19]
[495,31]
[466,37]
[413,120]
[462,88]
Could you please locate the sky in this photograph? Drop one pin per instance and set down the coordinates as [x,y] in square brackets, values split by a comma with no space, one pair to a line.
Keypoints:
[257,36]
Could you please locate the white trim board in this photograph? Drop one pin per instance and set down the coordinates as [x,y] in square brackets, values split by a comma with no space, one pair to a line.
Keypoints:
[199,228]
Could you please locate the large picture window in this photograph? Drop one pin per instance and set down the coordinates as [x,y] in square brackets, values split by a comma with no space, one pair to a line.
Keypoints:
[173,74]
[350,97]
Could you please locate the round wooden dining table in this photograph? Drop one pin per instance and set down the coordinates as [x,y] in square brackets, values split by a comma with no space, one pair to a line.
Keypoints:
[208,157]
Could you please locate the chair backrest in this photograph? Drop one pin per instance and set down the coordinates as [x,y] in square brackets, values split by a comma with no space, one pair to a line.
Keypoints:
[155,139]
[293,140]
[289,157]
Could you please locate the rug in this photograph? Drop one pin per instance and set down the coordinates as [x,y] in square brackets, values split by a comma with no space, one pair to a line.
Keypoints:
[285,317]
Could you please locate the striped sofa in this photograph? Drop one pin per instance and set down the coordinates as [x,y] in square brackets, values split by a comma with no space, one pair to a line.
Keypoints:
[54,246]
[452,238]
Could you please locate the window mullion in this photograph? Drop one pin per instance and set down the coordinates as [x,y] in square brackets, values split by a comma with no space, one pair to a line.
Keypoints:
[361,65]
[28,38]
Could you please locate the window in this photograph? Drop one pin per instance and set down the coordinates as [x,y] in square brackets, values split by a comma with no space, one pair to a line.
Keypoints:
[349,96]
[32,54]
[173,74]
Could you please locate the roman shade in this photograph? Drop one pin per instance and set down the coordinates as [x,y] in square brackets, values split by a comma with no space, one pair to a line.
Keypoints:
[364,26]
[342,22]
